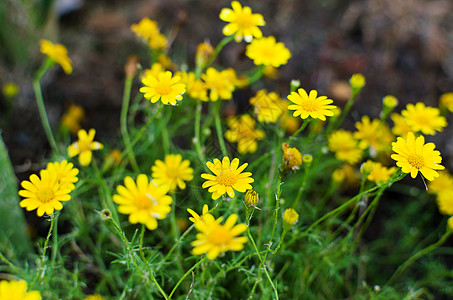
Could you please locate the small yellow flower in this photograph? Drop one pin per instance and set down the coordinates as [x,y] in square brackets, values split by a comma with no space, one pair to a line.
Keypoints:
[310,105]
[58,53]
[378,173]
[17,290]
[414,156]
[242,23]
[268,106]
[197,218]
[196,88]
[243,132]
[338,175]
[444,201]
[345,146]
[446,100]
[357,82]
[251,198]
[159,41]
[174,172]
[203,53]
[10,90]
[227,176]
[144,201]
[164,87]
[290,216]
[84,146]
[148,32]
[390,101]
[292,158]
[442,183]
[215,238]
[94,297]
[220,84]
[373,134]
[400,126]
[266,51]
[424,118]
[44,194]
[72,118]
[66,173]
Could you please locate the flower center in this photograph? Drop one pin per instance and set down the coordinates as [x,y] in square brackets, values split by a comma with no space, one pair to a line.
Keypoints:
[416,161]
[145,201]
[46,195]
[243,21]
[84,145]
[163,88]
[220,236]
[310,106]
[226,178]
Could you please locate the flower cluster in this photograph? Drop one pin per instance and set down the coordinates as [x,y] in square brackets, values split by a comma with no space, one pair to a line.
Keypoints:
[242,131]
[148,32]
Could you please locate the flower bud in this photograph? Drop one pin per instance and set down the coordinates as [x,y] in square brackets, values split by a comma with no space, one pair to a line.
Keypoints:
[292,158]
[290,217]
[357,82]
[251,198]
[390,101]
[204,52]
[130,69]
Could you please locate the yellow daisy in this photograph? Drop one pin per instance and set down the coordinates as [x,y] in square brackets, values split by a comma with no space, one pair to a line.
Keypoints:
[84,146]
[442,183]
[164,87]
[374,134]
[378,173]
[58,53]
[446,100]
[220,84]
[413,155]
[196,88]
[292,158]
[242,23]
[345,146]
[227,176]
[44,194]
[215,238]
[174,172]
[424,118]
[66,173]
[17,290]
[400,126]
[268,106]
[148,31]
[310,105]
[144,201]
[266,51]
[243,132]
[444,201]
[197,218]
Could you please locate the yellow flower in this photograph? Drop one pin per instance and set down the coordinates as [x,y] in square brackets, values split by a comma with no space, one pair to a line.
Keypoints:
[446,100]
[173,172]
[72,118]
[243,132]
[44,194]
[158,41]
[400,126]
[338,175]
[197,218]
[145,29]
[66,173]
[165,61]
[242,23]
[58,53]
[424,118]
[215,238]
[203,53]
[268,106]
[84,146]
[10,90]
[290,216]
[442,183]
[357,82]
[374,134]
[413,155]
[390,101]
[219,84]
[144,201]
[310,105]
[94,297]
[292,158]
[155,70]
[444,201]
[450,223]
[345,146]
[164,87]
[378,173]
[196,88]
[227,176]
[266,51]
[251,198]
[17,290]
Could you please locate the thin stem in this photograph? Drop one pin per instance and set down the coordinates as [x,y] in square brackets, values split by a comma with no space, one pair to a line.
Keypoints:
[218,127]
[217,50]
[11,265]
[123,122]
[178,241]
[197,137]
[302,187]
[107,200]
[345,111]
[185,275]
[302,127]
[256,75]
[55,240]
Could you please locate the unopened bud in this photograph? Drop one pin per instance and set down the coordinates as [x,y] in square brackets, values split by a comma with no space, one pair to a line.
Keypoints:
[251,198]
[204,52]
[290,217]
[292,158]
[131,69]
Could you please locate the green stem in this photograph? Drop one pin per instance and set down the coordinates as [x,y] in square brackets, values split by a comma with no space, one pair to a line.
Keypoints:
[302,127]
[55,240]
[185,275]
[218,127]
[123,122]
[11,265]
[178,241]
[217,50]
[107,200]
[164,132]
[345,111]
[197,137]
[301,188]
[256,75]
[418,255]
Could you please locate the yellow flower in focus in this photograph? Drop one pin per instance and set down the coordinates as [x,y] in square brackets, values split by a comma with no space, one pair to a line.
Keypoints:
[424,118]
[174,172]
[196,88]
[292,158]
[446,100]
[310,105]
[357,82]
[227,176]
[242,23]
[44,194]
[400,126]
[17,290]
[444,202]
[10,90]
[442,183]
[65,172]
[197,218]
[345,146]
[374,134]
[144,201]
[220,84]
[268,106]
[251,198]
[290,216]
[58,53]
[266,51]
[243,132]
[94,297]
[215,238]
[84,146]
[378,173]
[414,156]
[163,87]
